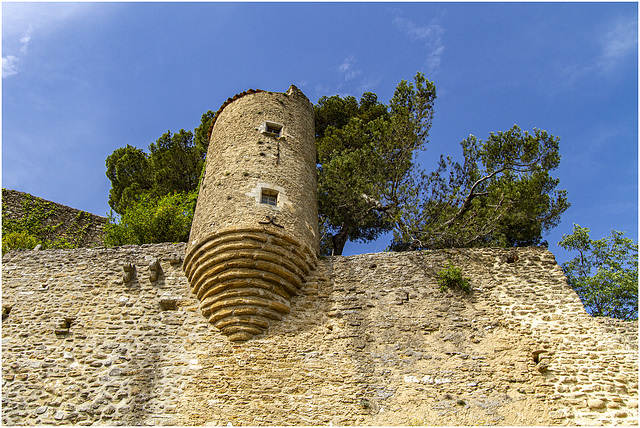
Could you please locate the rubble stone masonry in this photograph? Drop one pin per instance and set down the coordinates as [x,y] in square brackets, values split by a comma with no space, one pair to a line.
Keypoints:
[114,336]
[254,237]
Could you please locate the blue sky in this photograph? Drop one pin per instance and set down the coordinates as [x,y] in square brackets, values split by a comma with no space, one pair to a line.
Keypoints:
[82,79]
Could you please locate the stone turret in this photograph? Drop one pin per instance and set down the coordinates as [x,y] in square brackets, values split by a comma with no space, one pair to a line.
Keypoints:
[254,236]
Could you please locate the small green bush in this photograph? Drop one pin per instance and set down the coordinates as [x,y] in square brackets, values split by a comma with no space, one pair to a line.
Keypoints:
[37,226]
[15,240]
[451,277]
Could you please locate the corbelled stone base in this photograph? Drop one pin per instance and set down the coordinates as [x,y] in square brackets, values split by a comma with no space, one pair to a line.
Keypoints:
[245,278]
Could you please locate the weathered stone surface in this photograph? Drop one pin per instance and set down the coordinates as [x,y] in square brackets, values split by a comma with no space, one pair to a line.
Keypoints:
[254,236]
[596,404]
[346,353]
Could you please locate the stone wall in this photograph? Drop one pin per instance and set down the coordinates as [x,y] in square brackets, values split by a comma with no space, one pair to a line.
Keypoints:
[75,226]
[114,336]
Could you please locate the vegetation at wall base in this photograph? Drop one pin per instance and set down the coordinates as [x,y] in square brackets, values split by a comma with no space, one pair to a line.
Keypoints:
[18,240]
[36,227]
[604,274]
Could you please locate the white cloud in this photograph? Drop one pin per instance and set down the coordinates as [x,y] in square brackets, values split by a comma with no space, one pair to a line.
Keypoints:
[430,35]
[11,63]
[619,42]
[347,68]
[9,66]
[616,44]
[24,42]
[21,20]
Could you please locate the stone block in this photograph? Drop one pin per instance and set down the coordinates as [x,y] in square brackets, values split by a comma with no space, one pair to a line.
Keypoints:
[596,403]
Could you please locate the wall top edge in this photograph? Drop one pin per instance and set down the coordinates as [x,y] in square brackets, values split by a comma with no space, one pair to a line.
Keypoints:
[181,247]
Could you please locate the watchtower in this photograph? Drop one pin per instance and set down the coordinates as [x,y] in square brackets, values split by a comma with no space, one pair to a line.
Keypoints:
[254,235]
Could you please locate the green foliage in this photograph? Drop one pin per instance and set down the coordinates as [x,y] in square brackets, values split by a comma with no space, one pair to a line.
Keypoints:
[16,240]
[152,220]
[32,228]
[36,227]
[128,170]
[75,233]
[365,154]
[36,211]
[174,164]
[201,133]
[604,274]
[501,195]
[451,277]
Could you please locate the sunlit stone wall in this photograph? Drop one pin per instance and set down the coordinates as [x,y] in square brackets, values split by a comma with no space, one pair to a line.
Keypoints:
[254,236]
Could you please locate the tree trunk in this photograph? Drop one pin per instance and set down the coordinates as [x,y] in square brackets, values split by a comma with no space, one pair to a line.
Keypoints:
[339,240]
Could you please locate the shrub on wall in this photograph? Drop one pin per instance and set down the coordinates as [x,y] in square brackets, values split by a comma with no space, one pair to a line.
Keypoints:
[451,277]
[15,240]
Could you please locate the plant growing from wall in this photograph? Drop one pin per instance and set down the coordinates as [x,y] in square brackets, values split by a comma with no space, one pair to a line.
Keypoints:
[451,277]
[32,228]
[38,225]
[75,234]
[15,240]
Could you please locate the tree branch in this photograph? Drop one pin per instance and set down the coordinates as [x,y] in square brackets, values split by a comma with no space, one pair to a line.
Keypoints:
[467,201]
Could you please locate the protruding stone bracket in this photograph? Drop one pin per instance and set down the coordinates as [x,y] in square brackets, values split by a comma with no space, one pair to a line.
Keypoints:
[538,355]
[154,270]
[6,310]
[175,259]
[129,272]
[63,324]
[541,357]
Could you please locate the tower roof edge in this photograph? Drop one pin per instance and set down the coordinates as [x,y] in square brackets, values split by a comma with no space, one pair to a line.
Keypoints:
[227,102]
[293,90]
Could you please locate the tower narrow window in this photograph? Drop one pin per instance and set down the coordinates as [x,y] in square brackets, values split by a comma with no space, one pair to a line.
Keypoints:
[272,128]
[269,197]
